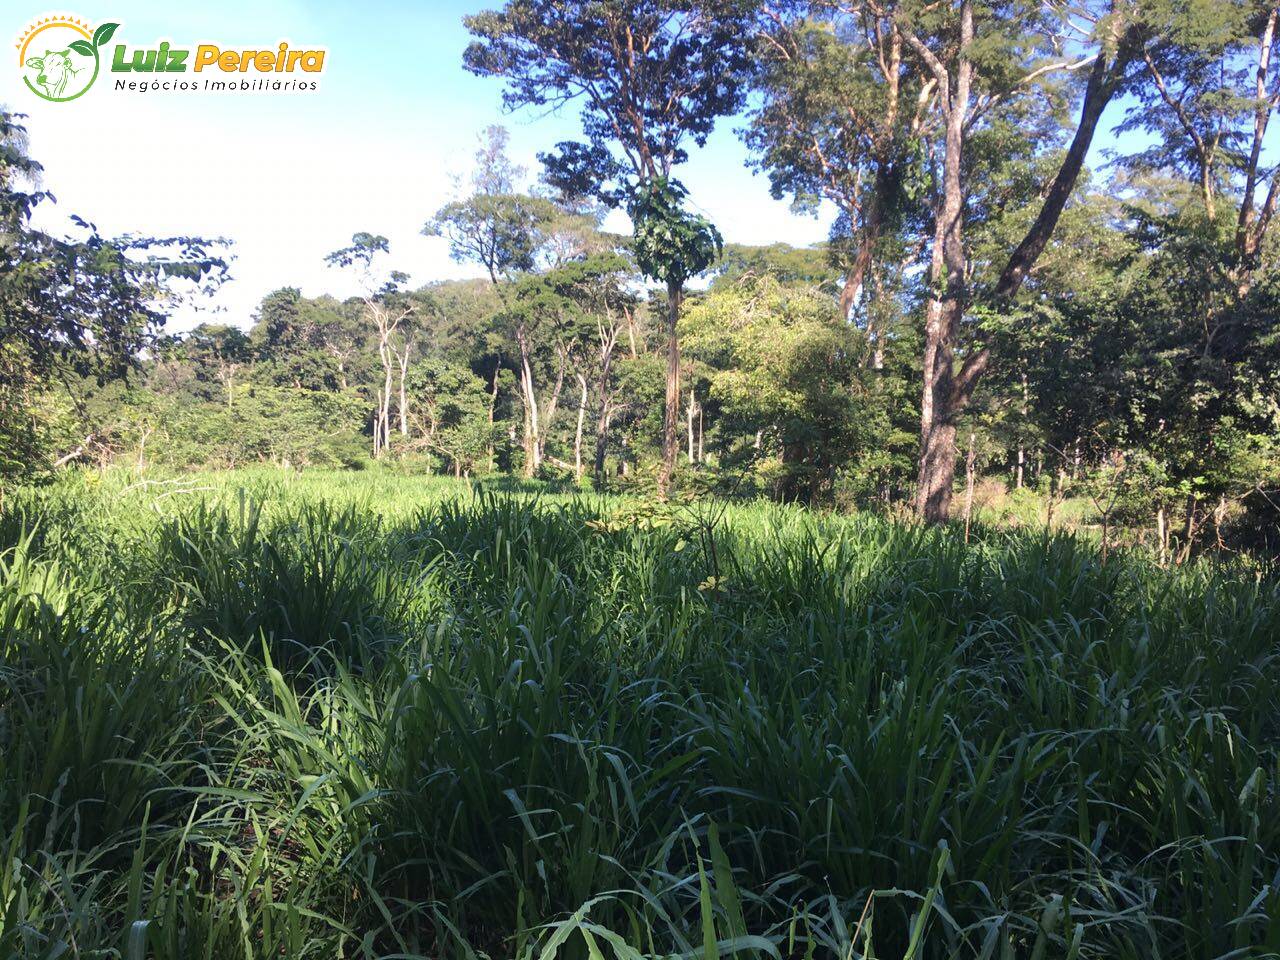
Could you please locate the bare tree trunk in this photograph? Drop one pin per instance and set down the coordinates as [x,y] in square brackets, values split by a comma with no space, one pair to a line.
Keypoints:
[1249,230]
[602,439]
[532,442]
[379,441]
[631,329]
[577,436]
[689,417]
[386,406]
[1219,515]
[670,441]
[946,392]
[939,403]
[701,452]
[386,327]
[552,404]
[228,382]
[1189,529]
[1022,449]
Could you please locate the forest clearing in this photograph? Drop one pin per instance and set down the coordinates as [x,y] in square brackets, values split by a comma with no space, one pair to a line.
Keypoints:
[641,480]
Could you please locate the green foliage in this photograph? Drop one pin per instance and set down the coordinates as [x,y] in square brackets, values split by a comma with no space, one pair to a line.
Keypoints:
[671,244]
[649,75]
[282,425]
[784,368]
[76,307]
[453,407]
[503,232]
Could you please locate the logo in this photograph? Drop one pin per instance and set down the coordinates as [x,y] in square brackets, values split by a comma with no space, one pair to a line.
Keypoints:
[60,57]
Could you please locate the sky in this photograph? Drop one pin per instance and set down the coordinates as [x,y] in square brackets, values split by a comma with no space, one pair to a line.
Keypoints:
[290,177]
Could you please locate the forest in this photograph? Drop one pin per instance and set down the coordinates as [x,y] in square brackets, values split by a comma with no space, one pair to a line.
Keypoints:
[650,595]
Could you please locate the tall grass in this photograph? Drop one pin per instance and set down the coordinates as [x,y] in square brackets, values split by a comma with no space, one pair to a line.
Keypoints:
[251,715]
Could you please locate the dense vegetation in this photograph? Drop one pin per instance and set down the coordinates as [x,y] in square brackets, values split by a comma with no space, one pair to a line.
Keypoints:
[349,715]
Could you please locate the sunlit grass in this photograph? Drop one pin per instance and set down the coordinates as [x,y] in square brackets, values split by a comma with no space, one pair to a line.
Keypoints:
[262,714]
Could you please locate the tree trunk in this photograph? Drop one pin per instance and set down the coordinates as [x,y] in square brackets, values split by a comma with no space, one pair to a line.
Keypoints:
[386,411]
[945,392]
[1189,529]
[552,404]
[689,418]
[670,431]
[383,427]
[602,441]
[940,401]
[631,329]
[1248,237]
[532,441]
[577,436]
[607,343]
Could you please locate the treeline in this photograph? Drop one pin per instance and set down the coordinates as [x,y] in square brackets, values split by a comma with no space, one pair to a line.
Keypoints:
[987,311]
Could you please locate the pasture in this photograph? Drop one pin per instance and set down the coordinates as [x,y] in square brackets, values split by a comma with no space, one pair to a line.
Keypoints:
[259,714]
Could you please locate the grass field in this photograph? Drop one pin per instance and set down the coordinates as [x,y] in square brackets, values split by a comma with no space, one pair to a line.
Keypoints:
[361,715]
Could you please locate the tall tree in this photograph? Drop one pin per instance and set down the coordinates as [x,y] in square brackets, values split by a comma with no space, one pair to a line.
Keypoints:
[840,119]
[672,245]
[650,75]
[985,58]
[388,309]
[1211,86]
[504,231]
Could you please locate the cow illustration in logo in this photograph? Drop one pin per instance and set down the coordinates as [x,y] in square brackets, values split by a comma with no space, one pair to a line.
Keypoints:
[70,61]
[56,71]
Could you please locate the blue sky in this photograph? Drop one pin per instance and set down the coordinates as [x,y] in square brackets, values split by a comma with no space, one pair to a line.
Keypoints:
[291,177]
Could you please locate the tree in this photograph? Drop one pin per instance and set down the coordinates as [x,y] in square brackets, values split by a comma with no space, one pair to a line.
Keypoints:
[785,376]
[672,245]
[452,418]
[841,118]
[388,309]
[216,352]
[650,74]
[503,231]
[982,59]
[593,305]
[80,306]
[1209,92]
